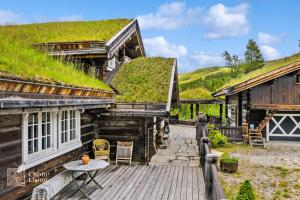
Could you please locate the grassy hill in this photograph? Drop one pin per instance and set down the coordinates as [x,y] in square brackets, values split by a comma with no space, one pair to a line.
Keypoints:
[204,81]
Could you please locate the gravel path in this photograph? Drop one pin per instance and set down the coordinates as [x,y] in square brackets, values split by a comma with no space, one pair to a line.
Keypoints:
[274,172]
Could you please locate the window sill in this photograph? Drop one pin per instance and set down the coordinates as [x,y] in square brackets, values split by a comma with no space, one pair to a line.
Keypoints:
[31,163]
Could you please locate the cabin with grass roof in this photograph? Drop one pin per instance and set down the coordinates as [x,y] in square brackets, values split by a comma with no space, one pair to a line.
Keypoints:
[64,84]
[267,102]
[146,90]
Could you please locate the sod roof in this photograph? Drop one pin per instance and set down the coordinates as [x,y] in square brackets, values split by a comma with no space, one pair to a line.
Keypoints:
[18,57]
[144,80]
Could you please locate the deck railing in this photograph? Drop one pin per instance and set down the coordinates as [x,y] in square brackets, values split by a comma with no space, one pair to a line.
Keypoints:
[213,188]
[234,134]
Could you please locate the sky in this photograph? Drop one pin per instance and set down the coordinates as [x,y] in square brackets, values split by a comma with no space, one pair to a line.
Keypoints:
[196,32]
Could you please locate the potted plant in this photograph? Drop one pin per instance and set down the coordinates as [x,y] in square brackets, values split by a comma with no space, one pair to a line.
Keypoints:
[229,164]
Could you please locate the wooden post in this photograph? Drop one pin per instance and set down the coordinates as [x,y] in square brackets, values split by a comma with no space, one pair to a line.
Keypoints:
[221,113]
[245,133]
[197,109]
[192,111]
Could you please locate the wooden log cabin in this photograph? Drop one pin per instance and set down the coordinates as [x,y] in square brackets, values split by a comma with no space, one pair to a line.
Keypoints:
[269,103]
[147,89]
[51,111]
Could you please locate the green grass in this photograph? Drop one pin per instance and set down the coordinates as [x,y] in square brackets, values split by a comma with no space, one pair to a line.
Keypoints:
[18,57]
[195,93]
[101,30]
[144,80]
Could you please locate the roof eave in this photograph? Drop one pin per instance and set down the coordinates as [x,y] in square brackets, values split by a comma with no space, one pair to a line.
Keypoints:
[170,94]
[121,37]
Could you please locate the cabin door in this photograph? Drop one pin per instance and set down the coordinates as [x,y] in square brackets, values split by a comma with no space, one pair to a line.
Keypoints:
[284,127]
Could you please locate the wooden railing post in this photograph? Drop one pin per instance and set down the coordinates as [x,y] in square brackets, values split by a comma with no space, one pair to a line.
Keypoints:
[245,133]
[204,141]
[208,176]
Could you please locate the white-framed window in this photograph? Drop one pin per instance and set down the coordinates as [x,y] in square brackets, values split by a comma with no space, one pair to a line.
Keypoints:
[69,127]
[48,134]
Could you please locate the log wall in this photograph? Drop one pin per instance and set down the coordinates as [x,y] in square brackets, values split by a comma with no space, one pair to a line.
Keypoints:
[117,128]
[11,153]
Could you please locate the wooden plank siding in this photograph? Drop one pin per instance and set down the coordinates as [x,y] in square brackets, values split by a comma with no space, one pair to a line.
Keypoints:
[281,91]
[11,153]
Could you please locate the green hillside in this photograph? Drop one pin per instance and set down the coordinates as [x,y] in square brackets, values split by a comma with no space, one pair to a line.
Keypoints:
[202,82]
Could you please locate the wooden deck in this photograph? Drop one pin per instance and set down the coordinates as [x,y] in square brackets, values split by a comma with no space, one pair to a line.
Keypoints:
[159,181]
[145,182]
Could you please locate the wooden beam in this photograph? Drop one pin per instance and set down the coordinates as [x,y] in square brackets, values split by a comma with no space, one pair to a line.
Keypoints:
[221,112]
[192,111]
[276,107]
[197,108]
[202,101]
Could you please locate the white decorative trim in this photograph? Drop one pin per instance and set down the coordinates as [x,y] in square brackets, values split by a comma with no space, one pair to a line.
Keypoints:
[278,125]
[29,165]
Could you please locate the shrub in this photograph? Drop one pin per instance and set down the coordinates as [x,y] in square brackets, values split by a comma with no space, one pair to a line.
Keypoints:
[228,159]
[246,192]
[217,139]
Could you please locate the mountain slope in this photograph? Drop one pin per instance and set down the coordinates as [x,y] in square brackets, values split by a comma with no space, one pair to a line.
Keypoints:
[204,81]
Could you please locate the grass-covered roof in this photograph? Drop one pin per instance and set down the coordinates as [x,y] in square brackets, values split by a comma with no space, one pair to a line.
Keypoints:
[269,66]
[18,57]
[144,80]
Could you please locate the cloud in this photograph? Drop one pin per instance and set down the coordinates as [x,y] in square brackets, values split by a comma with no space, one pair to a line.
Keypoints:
[267,39]
[170,16]
[207,59]
[269,52]
[159,46]
[10,17]
[221,21]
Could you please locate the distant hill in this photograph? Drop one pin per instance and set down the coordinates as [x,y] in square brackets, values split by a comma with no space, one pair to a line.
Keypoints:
[204,81]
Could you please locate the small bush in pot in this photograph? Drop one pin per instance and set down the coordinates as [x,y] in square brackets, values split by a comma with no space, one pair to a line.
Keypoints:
[229,164]
[246,192]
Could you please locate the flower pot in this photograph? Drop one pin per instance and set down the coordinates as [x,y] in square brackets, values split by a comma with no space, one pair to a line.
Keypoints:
[228,167]
[85,159]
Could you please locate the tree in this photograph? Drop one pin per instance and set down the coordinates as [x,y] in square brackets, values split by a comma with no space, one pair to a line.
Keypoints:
[231,61]
[253,56]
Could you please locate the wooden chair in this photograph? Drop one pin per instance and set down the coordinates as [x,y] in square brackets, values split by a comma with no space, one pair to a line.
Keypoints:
[101,148]
[124,151]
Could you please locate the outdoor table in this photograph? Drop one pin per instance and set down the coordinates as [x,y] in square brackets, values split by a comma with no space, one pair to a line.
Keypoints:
[91,170]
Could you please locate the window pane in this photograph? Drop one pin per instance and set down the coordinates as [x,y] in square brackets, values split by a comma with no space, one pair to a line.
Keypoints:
[35,133]
[44,143]
[36,145]
[30,147]
[30,132]
[66,137]
[48,117]
[48,128]
[48,142]
[44,117]
[44,129]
